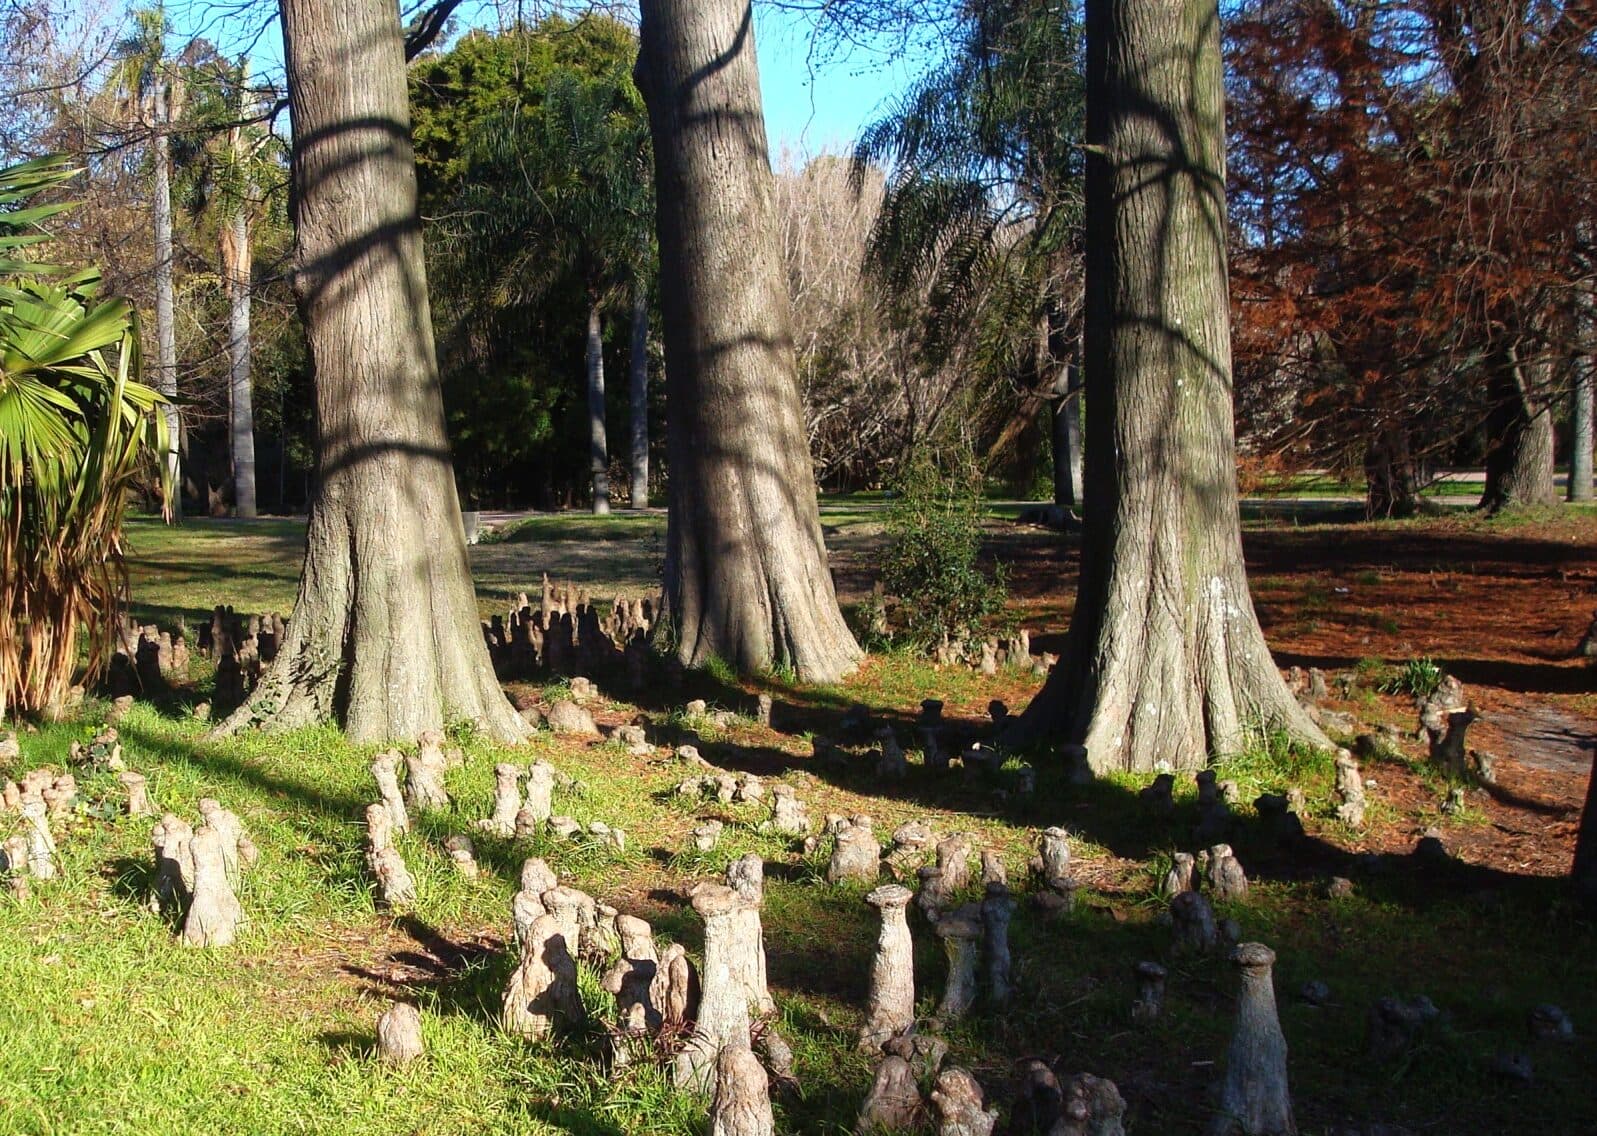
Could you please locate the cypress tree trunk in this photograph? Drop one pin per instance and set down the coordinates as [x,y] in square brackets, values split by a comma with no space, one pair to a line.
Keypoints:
[746,574]
[165,317]
[639,365]
[598,445]
[385,634]
[1580,450]
[238,264]
[1165,659]
[1390,480]
[1519,465]
[1067,437]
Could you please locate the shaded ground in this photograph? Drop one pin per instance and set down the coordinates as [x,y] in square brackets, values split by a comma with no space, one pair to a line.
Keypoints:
[1486,935]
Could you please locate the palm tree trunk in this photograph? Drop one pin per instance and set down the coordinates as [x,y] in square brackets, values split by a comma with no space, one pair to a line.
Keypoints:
[599,449]
[238,264]
[639,363]
[165,319]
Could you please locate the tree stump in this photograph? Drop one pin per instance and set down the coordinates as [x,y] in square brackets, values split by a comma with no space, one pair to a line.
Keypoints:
[237,849]
[399,1039]
[1349,790]
[996,911]
[395,887]
[746,876]
[1254,1100]
[174,871]
[894,1103]
[41,845]
[385,768]
[540,790]
[1092,1106]
[1179,878]
[1192,924]
[733,971]
[960,939]
[138,793]
[1150,992]
[958,1101]
[424,784]
[953,858]
[856,856]
[742,1103]
[788,815]
[1223,874]
[214,913]
[890,1006]
[1053,855]
[507,801]
[543,990]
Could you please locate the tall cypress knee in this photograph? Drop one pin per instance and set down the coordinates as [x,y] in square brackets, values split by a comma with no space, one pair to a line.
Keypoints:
[746,573]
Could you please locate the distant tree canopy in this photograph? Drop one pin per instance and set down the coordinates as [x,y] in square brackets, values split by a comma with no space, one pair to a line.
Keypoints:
[533,165]
[1412,203]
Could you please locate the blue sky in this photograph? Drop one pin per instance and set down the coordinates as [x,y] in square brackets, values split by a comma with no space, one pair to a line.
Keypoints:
[813,102]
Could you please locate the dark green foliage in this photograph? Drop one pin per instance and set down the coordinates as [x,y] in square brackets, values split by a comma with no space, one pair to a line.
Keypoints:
[534,169]
[931,564]
[979,234]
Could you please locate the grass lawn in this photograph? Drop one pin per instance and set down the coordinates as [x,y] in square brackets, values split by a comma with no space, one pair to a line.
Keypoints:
[110,1026]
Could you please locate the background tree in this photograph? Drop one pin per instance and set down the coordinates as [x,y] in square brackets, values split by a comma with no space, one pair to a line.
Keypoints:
[1164,660]
[385,629]
[151,95]
[746,574]
[580,218]
[1404,210]
[980,225]
[546,207]
[235,170]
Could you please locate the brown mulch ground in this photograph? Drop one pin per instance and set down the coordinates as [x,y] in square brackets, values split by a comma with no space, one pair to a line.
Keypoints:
[1501,606]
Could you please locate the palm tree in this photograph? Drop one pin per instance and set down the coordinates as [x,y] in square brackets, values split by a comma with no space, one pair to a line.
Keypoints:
[233,171]
[150,95]
[77,430]
[980,225]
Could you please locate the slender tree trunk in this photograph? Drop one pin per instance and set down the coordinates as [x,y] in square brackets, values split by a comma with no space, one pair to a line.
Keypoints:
[238,264]
[1519,465]
[1067,437]
[598,445]
[1165,660]
[385,634]
[1580,419]
[746,573]
[639,365]
[165,317]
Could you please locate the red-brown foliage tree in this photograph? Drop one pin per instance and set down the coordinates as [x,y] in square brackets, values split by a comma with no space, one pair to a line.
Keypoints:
[1412,187]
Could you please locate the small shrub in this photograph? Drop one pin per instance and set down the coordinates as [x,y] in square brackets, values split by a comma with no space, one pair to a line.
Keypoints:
[1419,677]
[931,564]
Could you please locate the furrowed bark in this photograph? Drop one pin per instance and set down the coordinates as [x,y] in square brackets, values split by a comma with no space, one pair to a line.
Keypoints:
[746,573]
[1165,659]
[385,633]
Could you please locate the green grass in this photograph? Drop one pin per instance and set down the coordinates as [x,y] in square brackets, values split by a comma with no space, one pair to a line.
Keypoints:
[110,1026]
